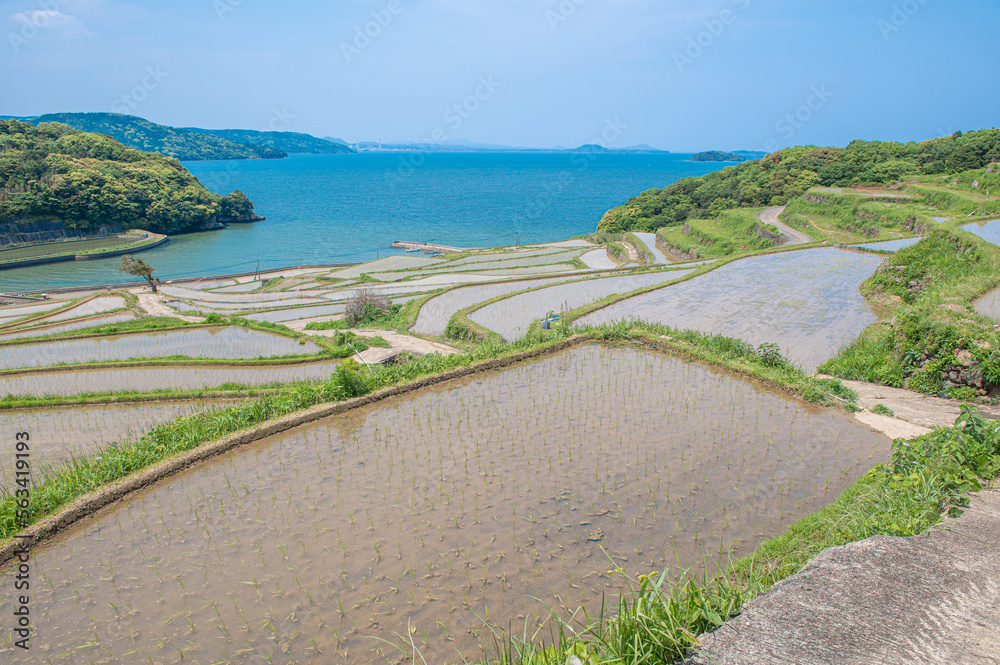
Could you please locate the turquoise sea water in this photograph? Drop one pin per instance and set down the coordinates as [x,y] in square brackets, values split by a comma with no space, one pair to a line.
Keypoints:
[324,209]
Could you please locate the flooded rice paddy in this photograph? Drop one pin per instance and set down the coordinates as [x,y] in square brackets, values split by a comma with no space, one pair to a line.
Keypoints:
[481,501]
[988,231]
[89,308]
[512,316]
[8,314]
[61,434]
[649,240]
[220,343]
[889,245]
[990,304]
[807,302]
[80,381]
[437,312]
[48,329]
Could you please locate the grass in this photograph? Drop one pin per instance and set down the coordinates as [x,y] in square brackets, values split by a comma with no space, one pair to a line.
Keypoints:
[68,247]
[732,232]
[659,617]
[857,217]
[925,294]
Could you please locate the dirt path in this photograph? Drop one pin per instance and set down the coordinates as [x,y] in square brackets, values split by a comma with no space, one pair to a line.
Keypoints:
[153,304]
[912,407]
[400,344]
[792,237]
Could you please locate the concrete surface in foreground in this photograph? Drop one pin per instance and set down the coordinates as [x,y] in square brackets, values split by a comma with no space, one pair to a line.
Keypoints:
[930,599]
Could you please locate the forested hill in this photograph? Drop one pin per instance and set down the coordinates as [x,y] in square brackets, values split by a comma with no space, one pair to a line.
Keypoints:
[147,136]
[54,173]
[787,174]
[290,142]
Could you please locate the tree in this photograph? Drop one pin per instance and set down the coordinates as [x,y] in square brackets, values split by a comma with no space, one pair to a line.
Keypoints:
[235,206]
[139,268]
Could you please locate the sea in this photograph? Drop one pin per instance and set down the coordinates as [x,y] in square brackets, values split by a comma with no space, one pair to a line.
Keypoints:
[330,209]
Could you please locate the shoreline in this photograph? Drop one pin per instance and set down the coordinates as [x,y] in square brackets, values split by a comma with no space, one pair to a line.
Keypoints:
[186,280]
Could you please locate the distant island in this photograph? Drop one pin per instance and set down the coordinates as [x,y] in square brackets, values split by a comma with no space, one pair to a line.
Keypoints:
[192,143]
[718,156]
[58,182]
[461,145]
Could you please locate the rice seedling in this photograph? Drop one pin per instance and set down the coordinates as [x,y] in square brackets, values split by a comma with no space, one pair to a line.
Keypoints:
[446,512]
[226,343]
[52,330]
[64,434]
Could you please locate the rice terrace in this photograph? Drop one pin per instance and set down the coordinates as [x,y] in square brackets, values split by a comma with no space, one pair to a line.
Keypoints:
[501,383]
[601,447]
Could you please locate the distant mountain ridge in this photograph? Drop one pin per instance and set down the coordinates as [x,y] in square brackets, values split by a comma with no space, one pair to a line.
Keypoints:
[463,145]
[294,143]
[192,143]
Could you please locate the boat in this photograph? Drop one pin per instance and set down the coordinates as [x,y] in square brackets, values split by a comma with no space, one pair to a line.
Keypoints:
[413,249]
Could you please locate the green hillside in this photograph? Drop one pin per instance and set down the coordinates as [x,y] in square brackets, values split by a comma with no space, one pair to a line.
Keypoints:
[289,142]
[54,173]
[141,134]
[787,174]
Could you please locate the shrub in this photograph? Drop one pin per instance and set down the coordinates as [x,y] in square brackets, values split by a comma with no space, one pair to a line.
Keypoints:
[368,306]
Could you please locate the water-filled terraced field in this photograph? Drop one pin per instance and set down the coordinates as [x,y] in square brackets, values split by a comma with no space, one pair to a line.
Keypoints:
[488,499]
[281,315]
[64,384]
[68,327]
[889,245]
[512,316]
[598,259]
[649,240]
[220,343]
[8,314]
[807,302]
[257,299]
[89,308]
[61,434]
[990,304]
[988,231]
[437,311]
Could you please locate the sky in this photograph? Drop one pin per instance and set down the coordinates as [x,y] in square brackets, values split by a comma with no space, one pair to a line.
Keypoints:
[679,75]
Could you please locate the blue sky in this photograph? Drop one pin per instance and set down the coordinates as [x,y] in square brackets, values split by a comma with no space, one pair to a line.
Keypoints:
[679,75]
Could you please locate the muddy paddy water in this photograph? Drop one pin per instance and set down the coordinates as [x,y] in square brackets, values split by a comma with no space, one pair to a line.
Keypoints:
[61,434]
[807,302]
[427,515]
[76,382]
[220,343]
